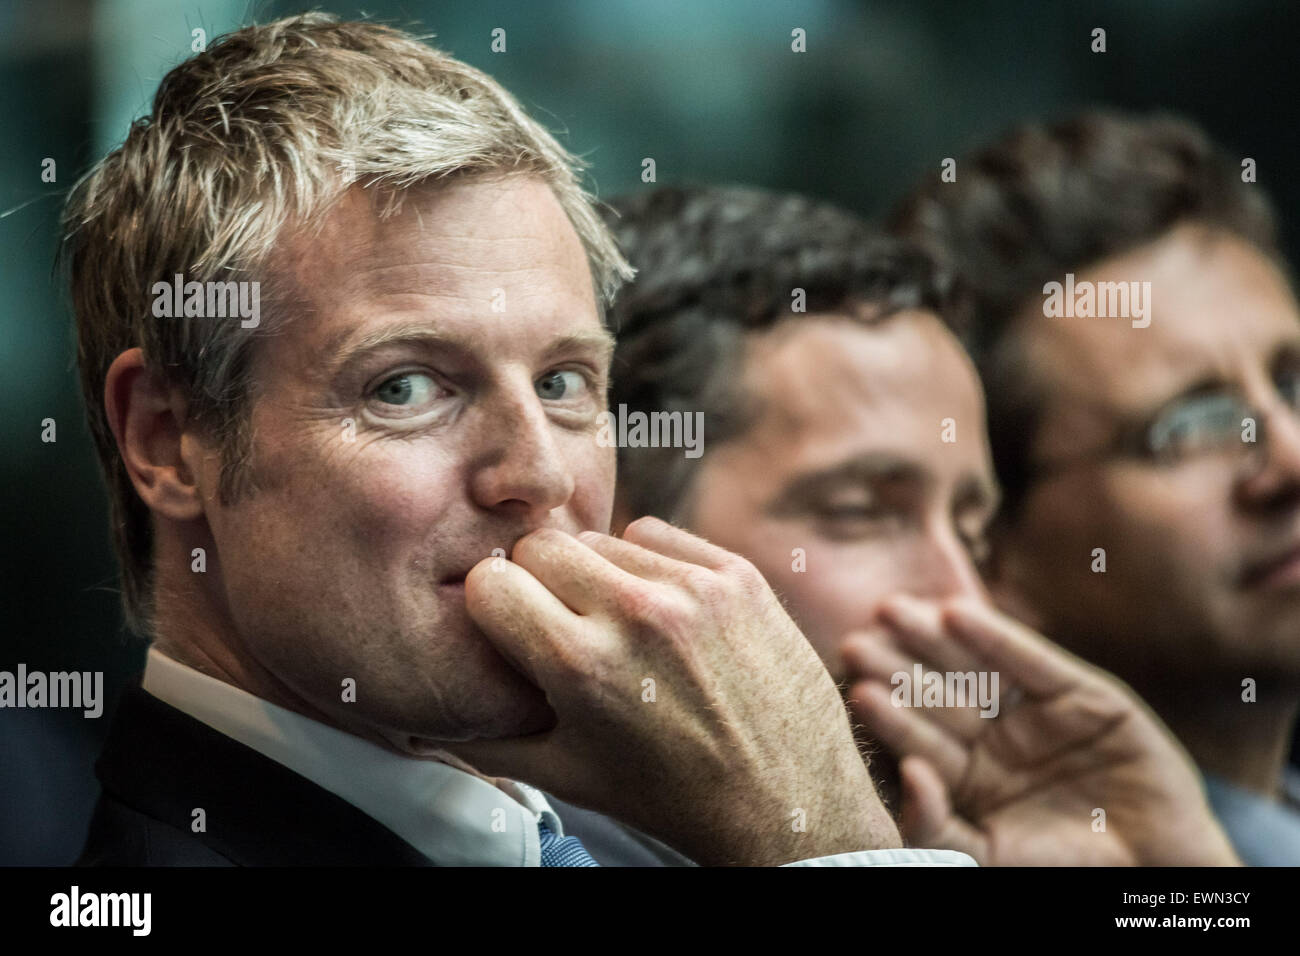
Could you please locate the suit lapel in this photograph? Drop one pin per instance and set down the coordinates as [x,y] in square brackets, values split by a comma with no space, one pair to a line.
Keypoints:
[166,764]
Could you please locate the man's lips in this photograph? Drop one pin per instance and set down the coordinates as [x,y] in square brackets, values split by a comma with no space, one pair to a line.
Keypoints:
[457,578]
[1279,570]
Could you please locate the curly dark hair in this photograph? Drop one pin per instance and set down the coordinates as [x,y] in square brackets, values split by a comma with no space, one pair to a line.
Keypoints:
[715,264]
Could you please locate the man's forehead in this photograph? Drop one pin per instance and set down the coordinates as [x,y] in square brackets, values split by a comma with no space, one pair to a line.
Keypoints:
[477,251]
[449,238]
[840,402]
[1216,305]
[828,372]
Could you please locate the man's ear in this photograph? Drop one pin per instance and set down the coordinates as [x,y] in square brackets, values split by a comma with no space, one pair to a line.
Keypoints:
[147,419]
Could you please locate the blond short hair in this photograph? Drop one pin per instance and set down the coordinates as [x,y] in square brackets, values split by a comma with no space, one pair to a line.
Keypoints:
[263,131]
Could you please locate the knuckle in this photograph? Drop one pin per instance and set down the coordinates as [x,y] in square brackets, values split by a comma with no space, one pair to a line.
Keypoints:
[744,577]
[654,608]
[736,583]
[708,587]
[643,604]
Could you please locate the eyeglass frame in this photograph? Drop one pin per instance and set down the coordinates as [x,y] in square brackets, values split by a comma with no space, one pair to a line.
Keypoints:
[1132,440]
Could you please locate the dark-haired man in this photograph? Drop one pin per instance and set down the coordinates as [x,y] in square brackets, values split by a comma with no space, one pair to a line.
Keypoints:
[844,453]
[1139,342]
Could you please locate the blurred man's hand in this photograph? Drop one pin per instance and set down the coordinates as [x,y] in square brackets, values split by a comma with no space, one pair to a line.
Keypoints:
[1023,788]
[687,702]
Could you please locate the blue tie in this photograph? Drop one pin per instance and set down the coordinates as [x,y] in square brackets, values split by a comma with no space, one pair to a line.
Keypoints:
[562,851]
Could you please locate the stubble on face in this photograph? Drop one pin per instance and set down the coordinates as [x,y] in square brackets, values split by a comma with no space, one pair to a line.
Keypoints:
[345,563]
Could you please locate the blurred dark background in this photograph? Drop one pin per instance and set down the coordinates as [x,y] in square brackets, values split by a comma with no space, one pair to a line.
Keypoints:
[711,91]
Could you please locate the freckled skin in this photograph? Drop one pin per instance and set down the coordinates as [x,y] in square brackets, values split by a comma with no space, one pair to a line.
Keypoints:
[332,568]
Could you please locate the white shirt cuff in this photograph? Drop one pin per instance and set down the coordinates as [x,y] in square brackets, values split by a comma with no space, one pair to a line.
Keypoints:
[898,856]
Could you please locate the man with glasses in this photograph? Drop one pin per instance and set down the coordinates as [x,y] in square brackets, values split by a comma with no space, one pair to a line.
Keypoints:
[1150,468]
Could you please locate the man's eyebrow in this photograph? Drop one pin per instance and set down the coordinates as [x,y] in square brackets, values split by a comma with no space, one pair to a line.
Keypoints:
[862,470]
[346,347]
[602,343]
[1209,383]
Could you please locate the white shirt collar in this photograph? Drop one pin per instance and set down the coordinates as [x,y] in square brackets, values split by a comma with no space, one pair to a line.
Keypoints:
[453,817]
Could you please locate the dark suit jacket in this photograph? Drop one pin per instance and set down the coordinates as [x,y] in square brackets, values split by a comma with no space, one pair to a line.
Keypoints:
[159,764]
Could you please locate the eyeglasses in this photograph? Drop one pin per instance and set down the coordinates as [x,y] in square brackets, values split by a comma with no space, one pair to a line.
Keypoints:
[1215,423]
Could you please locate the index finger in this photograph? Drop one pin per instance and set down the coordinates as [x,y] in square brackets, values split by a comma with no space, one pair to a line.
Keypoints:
[1027,658]
[528,625]
[673,542]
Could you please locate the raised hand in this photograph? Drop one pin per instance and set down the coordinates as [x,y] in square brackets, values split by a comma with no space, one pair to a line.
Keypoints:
[1025,787]
[742,754]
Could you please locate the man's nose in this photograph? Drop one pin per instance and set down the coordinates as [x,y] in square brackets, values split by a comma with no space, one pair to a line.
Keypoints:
[947,570]
[1276,483]
[520,467]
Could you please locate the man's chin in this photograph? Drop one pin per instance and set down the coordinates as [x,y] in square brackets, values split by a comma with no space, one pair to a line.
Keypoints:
[523,712]
[527,713]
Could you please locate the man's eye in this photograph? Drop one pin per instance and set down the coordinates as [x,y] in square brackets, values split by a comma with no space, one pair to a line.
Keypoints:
[1288,384]
[863,512]
[555,386]
[848,521]
[1199,424]
[408,390]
